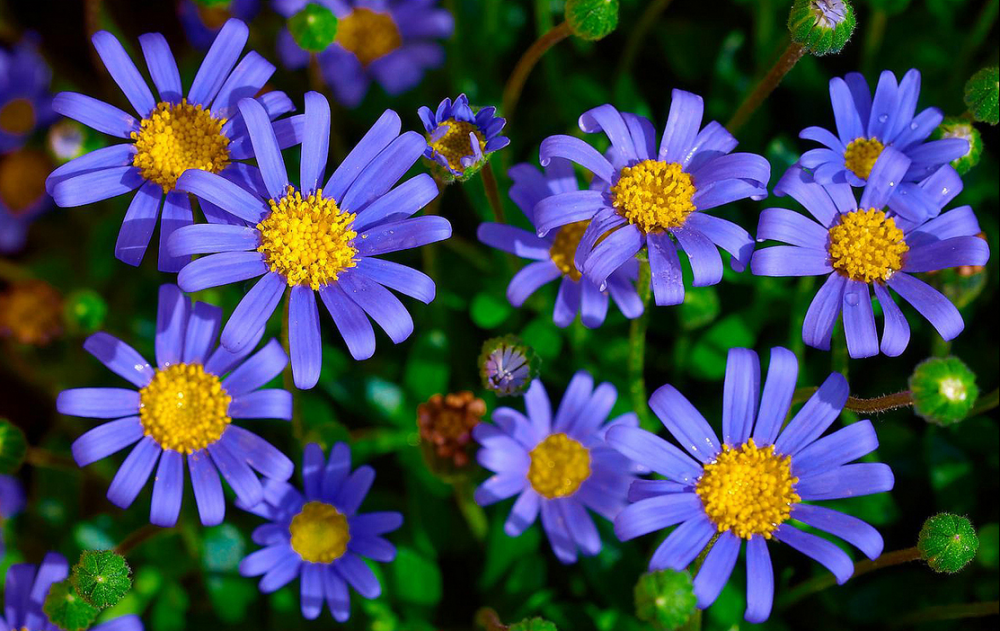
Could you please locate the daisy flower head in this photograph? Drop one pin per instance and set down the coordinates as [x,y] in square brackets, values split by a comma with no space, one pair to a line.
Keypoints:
[318,535]
[557,466]
[560,253]
[22,195]
[316,238]
[392,42]
[183,410]
[203,19]
[11,503]
[751,486]
[642,196]
[867,125]
[25,101]
[864,246]
[460,138]
[203,131]
[27,586]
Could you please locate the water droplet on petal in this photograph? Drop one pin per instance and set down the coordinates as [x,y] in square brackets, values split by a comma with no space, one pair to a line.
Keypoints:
[883,118]
[851,298]
[944,191]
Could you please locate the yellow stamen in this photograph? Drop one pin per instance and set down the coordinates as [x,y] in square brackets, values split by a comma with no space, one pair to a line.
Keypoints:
[22,179]
[564,248]
[455,143]
[17,116]
[178,137]
[866,245]
[368,34]
[747,490]
[320,533]
[184,408]
[861,154]
[654,195]
[308,240]
[559,465]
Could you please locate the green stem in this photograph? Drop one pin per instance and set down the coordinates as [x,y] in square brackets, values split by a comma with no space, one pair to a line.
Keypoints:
[793,53]
[493,192]
[45,459]
[984,23]
[138,537]
[826,580]
[874,405]
[873,40]
[949,612]
[473,513]
[637,350]
[638,35]
[515,82]
[985,404]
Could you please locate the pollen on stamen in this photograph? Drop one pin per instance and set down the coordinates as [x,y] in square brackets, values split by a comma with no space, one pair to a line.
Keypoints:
[564,246]
[184,408]
[867,246]
[654,195]
[177,137]
[368,34]
[455,144]
[319,533]
[861,154]
[559,465]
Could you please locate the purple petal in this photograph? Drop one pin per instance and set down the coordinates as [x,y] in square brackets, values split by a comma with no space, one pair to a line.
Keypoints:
[95,114]
[106,439]
[790,227]
[399,203]
[896,331]
[124,72]
[120,358]
[741,391]
[162,67]
[261,455]
[405,280]
[667,277]
[253,311]
[402,235]
[220,269]
[577,151]
[271,403]
[304,344]
[850,529]
[134,472]
[850,480]
[612,253]
[383,171]
[351,321]
[609,120]
[760,580]
[228,196]
[565,208]
[381,134]
[358,575]
[685,423]
[886,175]
[523,513]
[656,513]
[706,263]
[168,490]
[207,488]
[173,309]
[817,328]
[849,123]
[315,145]
[244,82]
[94,186]
[684,544]
[514,240]
[776,399]
[380,304]
[822,408]
[98,402]
[683,121]
[262,367]
[218,62]
[843,446]
[581,527]
[265,145]
[859,320]
[715,571]
[790,260]
[818,549]
[652,451]
[930,303]
[237,473]
[140,220]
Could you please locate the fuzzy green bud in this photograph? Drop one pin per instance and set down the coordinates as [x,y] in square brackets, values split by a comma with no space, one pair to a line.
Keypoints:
[821,26]
[944,390]
[508,365]
[102,578]
[313,28]
[955,127]
[981,95]
[13,446]
[947,542]
[665,599]
[592,19]
[533,624]
[84,311]
[67,610]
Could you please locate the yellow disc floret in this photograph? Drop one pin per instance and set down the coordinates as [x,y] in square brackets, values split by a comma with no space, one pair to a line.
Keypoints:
[654,195]
[320,533]
[861,154]
[455,144]
[559,465]
[17,116]
[307,240]
[177,137]
[564,248]
[22,179]
[184,408]
[867,246]
[368,34]
[748,490]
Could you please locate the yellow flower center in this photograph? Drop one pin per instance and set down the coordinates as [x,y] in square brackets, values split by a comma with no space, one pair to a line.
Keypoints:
[368,34]
[654,195]
[455,145]
[308,241]
[861,154]
[564,248]
[178,137]
[184,408]
[866,245]
[22,179]
[748,490]
[559,465]
[319,533]
[31,313]
[17,116]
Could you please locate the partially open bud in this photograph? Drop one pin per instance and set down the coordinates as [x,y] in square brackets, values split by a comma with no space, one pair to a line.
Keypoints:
[947,542]
[592,19]
[665,599]
[445,423]
[944,390]
[955,127]
[313,28]
[507,365]
[981,95]
[821,26]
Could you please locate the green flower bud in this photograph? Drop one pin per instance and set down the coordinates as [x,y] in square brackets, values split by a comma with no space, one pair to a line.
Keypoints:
[947,543]
[533,624]
[944,390]
[102,578]
[665,599]
[592,19]
[822,26]
[313,28]
[84,311]
[67,610]
[508,365]
[13,446]
[981,95]
[955,127]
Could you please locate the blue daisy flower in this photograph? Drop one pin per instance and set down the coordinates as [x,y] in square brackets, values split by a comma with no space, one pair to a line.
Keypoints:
[201,131]
[25,100]
[753,484]
[218,386]
[644,197]
[22,195]
[459,139]
[24,592]
[558,467]
[203,19]
[318,535]
[315,238]
[556,254]
[867,126]
[11,503]
[861,246]
[388,41]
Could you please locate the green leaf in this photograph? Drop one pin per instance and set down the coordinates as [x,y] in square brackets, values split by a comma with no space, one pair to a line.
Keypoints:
[231,596]
[67,610]
[708,357]
[417,580]
[488,310]
[102,578]
[427,370]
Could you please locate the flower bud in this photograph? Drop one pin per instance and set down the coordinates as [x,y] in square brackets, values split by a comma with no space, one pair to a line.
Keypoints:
[944,390]
[84,311]
[981,95]
[313,28]
[955,127]
[446,423]
[13,446]
[592,19]
[665,599]
[507,365]
[947,542]
[821,26]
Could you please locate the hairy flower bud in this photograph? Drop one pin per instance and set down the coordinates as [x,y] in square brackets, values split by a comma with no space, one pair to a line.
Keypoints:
[592,19]
[947,542]
[822,26]
[507,365]
[102,578]
[665,599]
[313,28]
[944,390]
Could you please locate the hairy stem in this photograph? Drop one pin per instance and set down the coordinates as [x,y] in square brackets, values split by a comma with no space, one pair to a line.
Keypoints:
[515,82]
[874,405]
[793,53]
[949,612]
[824,581]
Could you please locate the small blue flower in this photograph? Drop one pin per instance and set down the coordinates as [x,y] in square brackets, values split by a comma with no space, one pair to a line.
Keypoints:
[558,254]
[318,535]
[863,246]
[751,484]
[25,100]
[24,592]
[558,467]
[644,197]
[459,139]
[214,387]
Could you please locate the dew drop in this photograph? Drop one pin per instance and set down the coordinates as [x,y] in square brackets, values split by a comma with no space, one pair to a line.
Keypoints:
[913,125]
[883,118]
[944,191]
[851,298]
